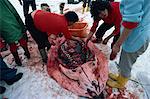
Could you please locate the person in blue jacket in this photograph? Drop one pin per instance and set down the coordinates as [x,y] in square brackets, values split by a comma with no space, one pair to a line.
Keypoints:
[8,75]
[134,38]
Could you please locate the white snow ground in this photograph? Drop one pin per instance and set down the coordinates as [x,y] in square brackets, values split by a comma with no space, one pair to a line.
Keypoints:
[36,84]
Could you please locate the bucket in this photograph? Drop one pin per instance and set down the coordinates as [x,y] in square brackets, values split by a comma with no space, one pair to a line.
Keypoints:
[79,29]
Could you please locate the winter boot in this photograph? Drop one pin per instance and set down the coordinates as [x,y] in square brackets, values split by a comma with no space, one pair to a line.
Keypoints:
[2,89]
[113,76]
[27,53]
[14,79]
[43,55]
[17,59]
[119,83]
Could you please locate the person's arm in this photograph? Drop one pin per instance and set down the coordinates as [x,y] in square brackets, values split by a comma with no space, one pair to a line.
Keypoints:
[92,30]
[89,36]
[122,38]
[117,26]
[132,12]
[128,27]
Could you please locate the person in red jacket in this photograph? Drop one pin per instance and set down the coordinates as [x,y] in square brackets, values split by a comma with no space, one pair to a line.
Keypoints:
[109,12]
[42,24]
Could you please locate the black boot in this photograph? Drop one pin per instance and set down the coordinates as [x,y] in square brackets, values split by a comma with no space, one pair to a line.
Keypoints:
[17,59]
[2,89]
[14,79]
[27,53]
[43,55]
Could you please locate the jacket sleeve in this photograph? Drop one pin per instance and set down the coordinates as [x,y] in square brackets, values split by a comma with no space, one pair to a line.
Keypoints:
[131,10]
[66,32]
[130,25]
[94,26]
[117,25]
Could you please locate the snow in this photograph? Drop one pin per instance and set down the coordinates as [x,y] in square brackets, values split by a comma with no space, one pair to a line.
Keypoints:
[36,83]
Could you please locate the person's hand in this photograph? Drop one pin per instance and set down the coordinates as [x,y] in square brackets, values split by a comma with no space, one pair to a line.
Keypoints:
[113,55]
[105,41]
[52,42]
[52,39]
[52,36]
[89,37]
[115,50]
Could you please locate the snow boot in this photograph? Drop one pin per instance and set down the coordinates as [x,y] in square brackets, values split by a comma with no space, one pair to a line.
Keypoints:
[27,53]
[14,79]
[119,83]
[43,55]
[113,76]
[17,59]
[2,89]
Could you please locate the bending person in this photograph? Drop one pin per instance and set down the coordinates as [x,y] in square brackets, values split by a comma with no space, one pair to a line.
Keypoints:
[42,24]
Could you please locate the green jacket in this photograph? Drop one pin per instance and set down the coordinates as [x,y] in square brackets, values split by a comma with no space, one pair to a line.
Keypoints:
[11,25]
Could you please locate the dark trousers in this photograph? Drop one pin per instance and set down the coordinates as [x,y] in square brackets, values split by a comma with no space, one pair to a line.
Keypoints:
[102,30]
[26,5]
[41,38]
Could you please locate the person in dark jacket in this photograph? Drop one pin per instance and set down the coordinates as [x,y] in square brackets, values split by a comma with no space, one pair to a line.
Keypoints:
[8,75]
[26,4]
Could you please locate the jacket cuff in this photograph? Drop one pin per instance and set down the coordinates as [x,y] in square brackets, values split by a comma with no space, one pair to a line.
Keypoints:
[130,25]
